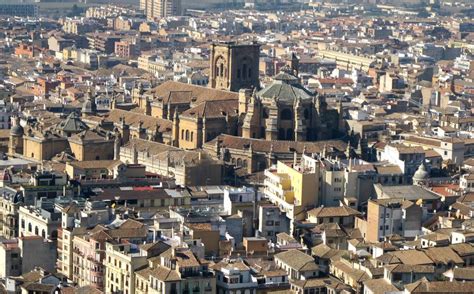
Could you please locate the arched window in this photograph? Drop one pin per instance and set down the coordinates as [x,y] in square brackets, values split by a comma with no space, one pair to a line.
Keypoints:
[217,71]
[239,162]
[30,228]
[244,70]
[306,113]
[182,134]
[289,134]
[22,223]
[222,69]
[281,134]
[43,234]
[233,161]
[187,135]
[36,231]
[244,163]
[192,136]
[286,114]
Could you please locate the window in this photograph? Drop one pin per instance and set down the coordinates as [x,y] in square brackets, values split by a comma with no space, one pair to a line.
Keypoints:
[286,114]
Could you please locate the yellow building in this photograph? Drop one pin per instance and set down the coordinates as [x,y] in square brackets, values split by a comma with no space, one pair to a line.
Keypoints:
[294,188]
[43,142]
[121,262]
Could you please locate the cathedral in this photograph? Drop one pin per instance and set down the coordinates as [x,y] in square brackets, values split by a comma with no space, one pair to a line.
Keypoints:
[286,110]
[235,103]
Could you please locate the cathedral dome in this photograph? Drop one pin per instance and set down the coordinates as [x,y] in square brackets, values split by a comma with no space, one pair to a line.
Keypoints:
[287,88]
[16,130]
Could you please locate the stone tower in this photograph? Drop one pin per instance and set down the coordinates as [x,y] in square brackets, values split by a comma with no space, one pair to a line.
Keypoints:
[234,66]
[15,144]
[89,107]
[294,64]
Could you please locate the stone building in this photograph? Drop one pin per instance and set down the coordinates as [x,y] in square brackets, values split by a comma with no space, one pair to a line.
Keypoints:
[187,167]
[43,142]
[286,110]
[234,66]
[258,154]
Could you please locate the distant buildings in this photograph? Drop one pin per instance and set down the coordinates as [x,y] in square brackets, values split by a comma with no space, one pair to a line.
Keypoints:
[155,9]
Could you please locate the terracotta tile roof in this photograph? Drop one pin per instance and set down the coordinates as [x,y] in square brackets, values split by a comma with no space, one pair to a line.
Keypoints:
[213,109]
[357,275]
[165,274]
[443,255]
[463,273]
[260,145]
[326,252]
[379,286]
[340,211]
[133,119]
[198,92]
[425,286]
[463,249]
[296,259]
[411,257]
[409,268]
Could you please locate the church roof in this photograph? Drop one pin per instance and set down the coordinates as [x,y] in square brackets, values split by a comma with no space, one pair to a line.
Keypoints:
[185,93]
[261,145]
[286,87]
[214,109]
[72,124]
[133,119]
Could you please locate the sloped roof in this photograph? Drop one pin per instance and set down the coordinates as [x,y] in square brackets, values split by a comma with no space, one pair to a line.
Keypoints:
[72,124]
[339,211]
[295,259]
[286,88]
[186,92]
[214,109]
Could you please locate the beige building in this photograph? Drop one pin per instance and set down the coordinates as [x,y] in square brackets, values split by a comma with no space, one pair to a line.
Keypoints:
[188,168]
[160,8]
[43,142]
[177,270]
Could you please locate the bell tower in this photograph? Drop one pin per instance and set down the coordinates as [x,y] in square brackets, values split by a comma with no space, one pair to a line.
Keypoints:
[234,66]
